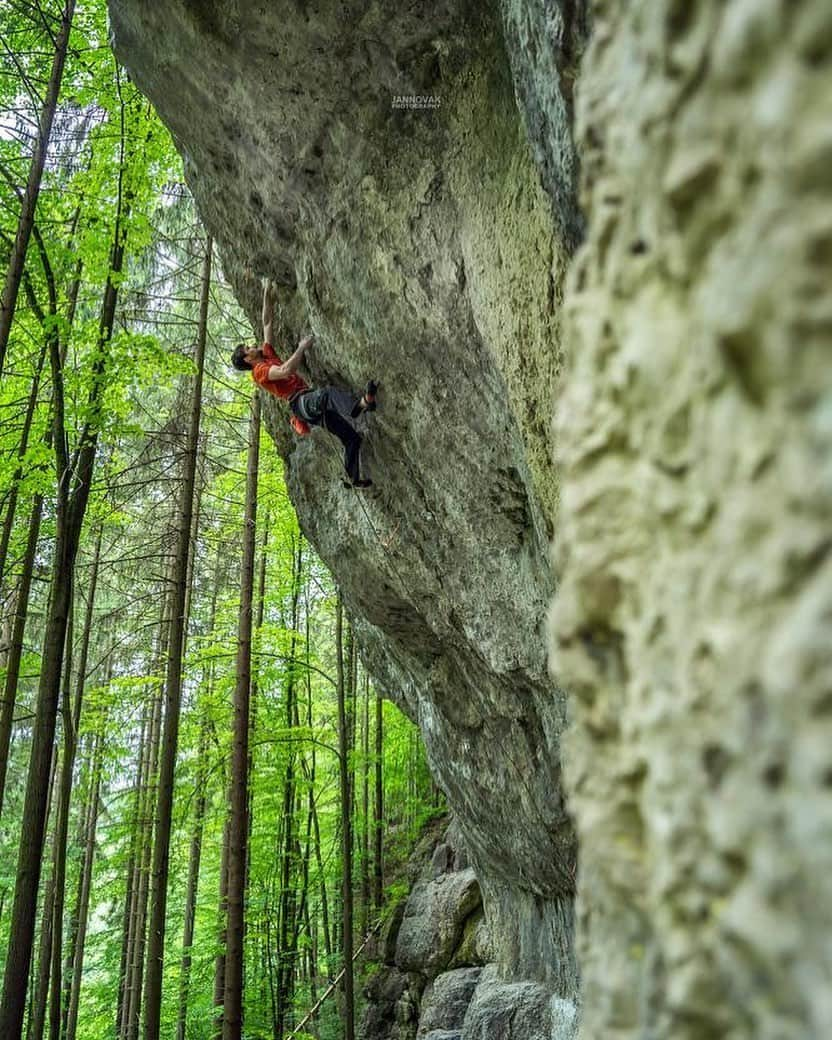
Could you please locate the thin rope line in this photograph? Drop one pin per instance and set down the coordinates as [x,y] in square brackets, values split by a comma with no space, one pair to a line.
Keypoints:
[570,868]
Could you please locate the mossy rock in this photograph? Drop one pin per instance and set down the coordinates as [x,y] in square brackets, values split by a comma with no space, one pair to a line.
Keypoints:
[467,953]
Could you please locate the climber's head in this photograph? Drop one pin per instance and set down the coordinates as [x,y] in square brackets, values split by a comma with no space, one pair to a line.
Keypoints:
[244,357]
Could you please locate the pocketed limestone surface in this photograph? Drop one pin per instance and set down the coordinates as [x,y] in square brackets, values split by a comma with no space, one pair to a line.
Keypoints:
[694,436]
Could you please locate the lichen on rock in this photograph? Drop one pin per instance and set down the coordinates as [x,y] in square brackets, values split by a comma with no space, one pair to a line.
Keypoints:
[692,619]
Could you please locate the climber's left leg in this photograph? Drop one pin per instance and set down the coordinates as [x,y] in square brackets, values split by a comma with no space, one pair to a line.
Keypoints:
[335,422]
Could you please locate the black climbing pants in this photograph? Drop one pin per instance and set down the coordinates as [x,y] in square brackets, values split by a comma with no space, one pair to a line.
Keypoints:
[332,408]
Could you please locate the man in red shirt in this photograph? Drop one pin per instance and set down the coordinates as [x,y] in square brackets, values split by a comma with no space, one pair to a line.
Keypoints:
[326,406]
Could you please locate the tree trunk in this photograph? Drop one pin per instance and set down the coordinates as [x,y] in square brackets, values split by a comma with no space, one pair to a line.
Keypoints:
[378,810]
[40,997]
[365,807]
[135,853]
[16,647]
[22,600]
[86,883]
[219,966]
[302,916]
[194,541]
[270,970]
[193,882]
[311,926]
[288,901]
[37,1016]
[72,719]
[133,997]
[196,840]
[11,502]
[346,832]
[173,688]
[17,261]
[69,954]
[33,826]
[316,831]
[238,821]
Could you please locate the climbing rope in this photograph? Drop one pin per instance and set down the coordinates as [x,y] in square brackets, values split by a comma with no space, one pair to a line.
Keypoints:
[372,526]
[570,869]
[334,984]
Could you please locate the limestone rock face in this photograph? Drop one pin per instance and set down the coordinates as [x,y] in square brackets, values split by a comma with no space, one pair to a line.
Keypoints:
[446,1000]
[431,962]
[502,1010]
[392,1007]
[420,247]
[544,42]
[692,625]
[434,921]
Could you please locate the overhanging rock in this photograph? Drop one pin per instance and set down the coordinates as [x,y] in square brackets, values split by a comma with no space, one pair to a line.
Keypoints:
[420,246]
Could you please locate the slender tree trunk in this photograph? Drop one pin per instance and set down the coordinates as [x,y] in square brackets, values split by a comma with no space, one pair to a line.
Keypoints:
[311,927]
[365,807]
[11,502]
[16,649]
[288,901]
[26,219]
[40,992]
[258,624]
[302,917]
[40,997]
[22,601]
[351,713]
[219,965]
[316,831]
[135,851]
[259,613]
[59,1027]
[37,1018]
[69,954]
[346,832]
[34,813]
[173,690]
[72,719]
[196,840]
[270,970]
[194,541]
[378,810]
[193,882]
[329,940]
[285,915]
[133,873]
[86,883]
[238,822]
[222,915]
[142,883]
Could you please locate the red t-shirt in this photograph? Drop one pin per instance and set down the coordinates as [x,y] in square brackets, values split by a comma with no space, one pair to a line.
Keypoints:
[279,387]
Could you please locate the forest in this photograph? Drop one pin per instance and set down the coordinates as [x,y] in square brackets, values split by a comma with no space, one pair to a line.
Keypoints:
[205,799]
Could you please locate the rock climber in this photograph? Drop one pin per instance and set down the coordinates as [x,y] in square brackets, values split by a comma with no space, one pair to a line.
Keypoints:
[325,406]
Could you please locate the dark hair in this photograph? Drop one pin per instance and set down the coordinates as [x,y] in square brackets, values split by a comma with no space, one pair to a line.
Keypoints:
[238,358]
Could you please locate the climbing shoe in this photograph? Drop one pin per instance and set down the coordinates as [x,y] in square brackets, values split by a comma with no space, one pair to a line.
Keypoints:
[369,396]
[367,403]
